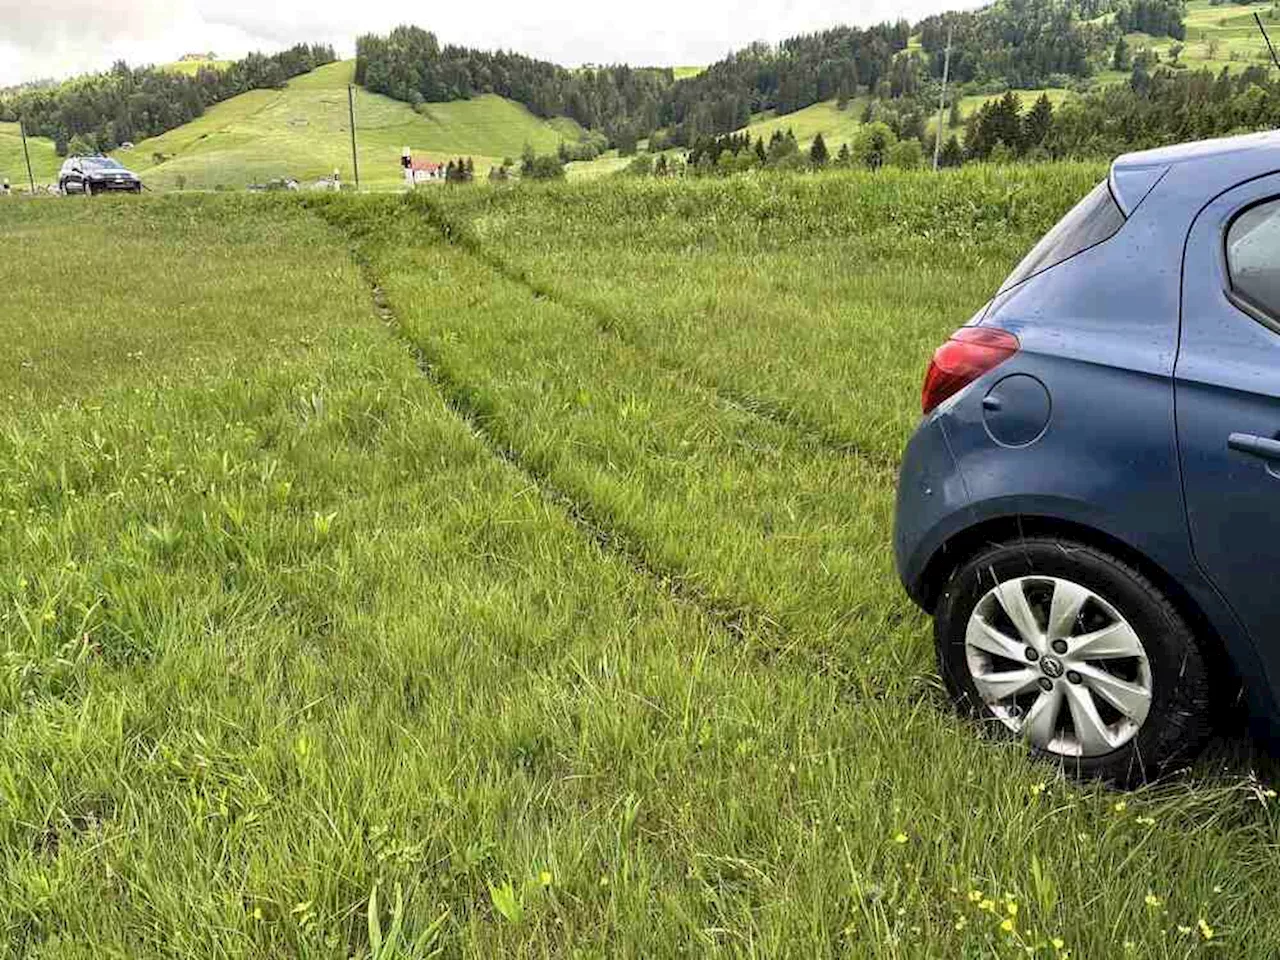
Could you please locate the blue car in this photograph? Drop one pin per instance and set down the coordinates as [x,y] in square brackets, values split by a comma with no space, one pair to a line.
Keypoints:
[1090,508]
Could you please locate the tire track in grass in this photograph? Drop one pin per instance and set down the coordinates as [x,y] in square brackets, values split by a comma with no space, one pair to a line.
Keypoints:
[771,410]
[735,618]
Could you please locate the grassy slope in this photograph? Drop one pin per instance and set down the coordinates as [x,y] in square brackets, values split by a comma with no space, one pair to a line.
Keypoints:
[44,162]
[192,67]
[283,627]
[1221,36]
[841,126]
[303,131]
[1236,44]
[836,126]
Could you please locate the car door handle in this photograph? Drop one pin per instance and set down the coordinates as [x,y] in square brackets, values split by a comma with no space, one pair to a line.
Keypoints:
[1262,447]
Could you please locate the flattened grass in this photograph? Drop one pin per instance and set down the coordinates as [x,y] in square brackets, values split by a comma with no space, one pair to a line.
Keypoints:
[551,636]
[819,298]
[732,506]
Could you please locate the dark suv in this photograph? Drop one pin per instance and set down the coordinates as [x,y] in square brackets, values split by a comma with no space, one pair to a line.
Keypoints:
[90,175]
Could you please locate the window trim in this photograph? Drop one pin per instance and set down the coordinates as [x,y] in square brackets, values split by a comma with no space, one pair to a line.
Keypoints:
[1242,302]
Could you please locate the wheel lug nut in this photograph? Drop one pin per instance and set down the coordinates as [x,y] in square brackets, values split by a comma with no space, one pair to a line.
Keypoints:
[1032,654]
[1046,684]
[1059,646]
[1073,676]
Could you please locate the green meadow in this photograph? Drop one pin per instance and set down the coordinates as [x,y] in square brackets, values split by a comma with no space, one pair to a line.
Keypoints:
[303,131]
[506,572]
[13,165]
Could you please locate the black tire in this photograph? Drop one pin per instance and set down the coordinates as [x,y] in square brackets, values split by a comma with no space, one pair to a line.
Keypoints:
[1179,718]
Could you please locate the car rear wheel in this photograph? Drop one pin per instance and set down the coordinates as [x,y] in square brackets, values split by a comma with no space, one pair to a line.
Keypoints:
[1076,653]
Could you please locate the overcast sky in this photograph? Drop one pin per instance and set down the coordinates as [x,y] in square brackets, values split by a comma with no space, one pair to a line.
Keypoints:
[56,39]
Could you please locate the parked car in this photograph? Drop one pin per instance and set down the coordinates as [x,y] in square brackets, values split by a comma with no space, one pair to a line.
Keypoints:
[1090,508]
[90,175]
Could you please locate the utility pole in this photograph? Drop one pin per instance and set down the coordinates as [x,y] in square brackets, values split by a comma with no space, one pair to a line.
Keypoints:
[942,102]
[1258,19]
[351,110]
[22,129]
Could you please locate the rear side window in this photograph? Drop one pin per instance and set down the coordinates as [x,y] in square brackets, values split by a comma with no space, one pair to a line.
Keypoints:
[1253,257]
[1094,219]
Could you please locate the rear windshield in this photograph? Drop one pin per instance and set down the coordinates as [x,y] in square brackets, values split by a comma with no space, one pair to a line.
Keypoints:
[102,163]
[1095,218]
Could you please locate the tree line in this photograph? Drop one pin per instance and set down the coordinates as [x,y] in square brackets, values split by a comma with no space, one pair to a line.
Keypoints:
[410,64]
[1013,43]
[127,104]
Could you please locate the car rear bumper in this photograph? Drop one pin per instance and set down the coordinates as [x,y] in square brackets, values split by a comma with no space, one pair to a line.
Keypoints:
[116,186]
[931,492]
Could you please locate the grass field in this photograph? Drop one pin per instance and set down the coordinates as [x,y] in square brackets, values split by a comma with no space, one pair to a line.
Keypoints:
[44,162]
[545,590]
[192,67]
[1218,36]
[839,126]
[303,131]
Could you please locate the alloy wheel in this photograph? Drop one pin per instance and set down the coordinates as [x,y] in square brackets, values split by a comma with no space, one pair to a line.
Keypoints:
[1059,665]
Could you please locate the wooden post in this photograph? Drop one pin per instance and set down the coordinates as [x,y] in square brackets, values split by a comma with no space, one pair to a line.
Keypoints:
[351,110]
[27,156]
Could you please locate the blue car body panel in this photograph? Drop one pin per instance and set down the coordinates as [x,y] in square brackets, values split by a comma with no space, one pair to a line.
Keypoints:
[1141,401]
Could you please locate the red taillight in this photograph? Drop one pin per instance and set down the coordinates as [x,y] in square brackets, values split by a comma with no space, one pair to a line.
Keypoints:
[970,353]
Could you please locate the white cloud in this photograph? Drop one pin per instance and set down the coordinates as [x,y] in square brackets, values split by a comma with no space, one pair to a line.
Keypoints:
[75,36]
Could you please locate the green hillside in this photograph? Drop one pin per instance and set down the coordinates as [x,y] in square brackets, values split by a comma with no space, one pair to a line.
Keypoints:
[826,118]
[44,162]
[192,67]
[302,131]
[839,126]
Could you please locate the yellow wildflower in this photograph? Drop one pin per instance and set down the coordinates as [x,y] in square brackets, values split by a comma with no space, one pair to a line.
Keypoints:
[975,896]
[1012,908]
[544,878]
[1007,925]
[1153,900]
[988,905]
[1121,806]
[1206,931]
[1058,943]
[899,837]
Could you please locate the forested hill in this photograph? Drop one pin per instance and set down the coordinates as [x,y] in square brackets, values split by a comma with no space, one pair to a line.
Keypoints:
[1019,43]
[411,65]
[102,111]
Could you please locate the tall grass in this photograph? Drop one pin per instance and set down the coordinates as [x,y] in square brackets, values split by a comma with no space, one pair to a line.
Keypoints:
[495,619]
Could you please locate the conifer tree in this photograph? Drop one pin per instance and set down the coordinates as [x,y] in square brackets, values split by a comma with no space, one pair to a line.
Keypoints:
[818,155]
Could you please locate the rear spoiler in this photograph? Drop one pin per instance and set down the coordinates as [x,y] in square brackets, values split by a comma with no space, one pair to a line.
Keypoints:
[1130,183]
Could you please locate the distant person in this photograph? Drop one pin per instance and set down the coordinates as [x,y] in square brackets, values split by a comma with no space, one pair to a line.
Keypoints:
[406,161]
[5,190]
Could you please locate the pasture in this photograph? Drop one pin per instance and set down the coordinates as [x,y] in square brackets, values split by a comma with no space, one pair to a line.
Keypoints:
[13,166]
[512,567]
[303,131]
